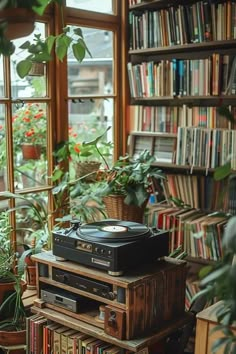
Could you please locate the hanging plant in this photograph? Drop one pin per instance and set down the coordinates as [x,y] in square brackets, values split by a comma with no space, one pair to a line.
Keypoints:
[41,49]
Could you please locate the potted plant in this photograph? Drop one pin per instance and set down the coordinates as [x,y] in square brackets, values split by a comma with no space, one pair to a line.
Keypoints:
[86,156]
[13,316]
[12,286]
[37,235]
[29,130]
[40,50]
[126,187]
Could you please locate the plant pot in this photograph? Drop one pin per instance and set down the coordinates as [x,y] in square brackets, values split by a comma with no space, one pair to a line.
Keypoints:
[13,338]
[8,287]
[31,152]
[31,276]
[117,209]
[37,69]
[88,169]
[20,22]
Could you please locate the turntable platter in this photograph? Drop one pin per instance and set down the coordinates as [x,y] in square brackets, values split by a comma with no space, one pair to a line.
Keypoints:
[112,230]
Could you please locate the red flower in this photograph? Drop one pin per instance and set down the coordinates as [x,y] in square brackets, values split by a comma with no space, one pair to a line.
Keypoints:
[39,115]
[76,148]
[29,133]
[26,119]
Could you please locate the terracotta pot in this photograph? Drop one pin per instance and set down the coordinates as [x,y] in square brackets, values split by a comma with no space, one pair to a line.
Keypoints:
[7,287]
[14,338]
[31,152]
[31,276]
[20,22]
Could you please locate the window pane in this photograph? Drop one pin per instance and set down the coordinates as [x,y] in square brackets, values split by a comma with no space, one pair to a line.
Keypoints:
[29,125]
[94,76]
[32,85]
[3,153]
[104,6]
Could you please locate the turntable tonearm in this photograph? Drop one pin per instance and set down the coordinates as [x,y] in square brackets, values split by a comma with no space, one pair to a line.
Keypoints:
[110,244]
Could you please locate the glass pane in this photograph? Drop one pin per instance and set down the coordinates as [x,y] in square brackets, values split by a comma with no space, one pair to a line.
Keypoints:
[87,121]
[33,85]
[3,153]
[2,83]
[94,76]
[29,125]
[104,6]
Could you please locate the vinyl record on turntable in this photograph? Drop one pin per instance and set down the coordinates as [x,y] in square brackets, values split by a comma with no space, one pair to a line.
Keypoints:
[112,230]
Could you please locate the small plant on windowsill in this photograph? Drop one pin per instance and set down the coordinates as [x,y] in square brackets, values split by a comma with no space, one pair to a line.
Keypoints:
[41,49]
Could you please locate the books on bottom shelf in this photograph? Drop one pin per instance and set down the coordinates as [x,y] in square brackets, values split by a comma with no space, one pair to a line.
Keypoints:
[44,336]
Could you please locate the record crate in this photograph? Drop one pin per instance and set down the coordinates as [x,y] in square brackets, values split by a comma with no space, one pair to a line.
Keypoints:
[137,303]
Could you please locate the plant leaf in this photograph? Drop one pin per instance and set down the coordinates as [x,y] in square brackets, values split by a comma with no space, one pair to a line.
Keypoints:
[222,172]
[78,51]
[23,67]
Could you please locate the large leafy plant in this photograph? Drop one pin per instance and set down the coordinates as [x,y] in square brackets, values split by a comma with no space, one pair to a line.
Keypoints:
[41,49]
[131,178]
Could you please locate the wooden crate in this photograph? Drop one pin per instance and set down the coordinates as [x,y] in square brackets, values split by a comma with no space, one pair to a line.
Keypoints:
[206,321]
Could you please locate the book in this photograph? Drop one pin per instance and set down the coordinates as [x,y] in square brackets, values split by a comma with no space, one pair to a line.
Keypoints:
[38,335]
[65,344]
[78,342]
[48,338]
[29,342]
[71,347]
[57,339]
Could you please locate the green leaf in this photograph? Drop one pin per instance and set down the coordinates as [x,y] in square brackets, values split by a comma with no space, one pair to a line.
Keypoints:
[78,31]
[222,172]
[62,45]
[42,57]
[216,274]
[25,45]
[23,68]
[205,271]
[50,40]
[78,51]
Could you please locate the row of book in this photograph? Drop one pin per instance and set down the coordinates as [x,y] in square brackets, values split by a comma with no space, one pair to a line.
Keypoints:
[198,233]
[214,75]
[207,148]
[197,191]
[182,24]
[168,119]
[44,337]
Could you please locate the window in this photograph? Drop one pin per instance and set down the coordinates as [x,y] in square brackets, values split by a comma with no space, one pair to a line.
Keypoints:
[43,109]
[105,6]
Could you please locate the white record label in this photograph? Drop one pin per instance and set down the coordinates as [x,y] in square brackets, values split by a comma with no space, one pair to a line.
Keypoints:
[114,228]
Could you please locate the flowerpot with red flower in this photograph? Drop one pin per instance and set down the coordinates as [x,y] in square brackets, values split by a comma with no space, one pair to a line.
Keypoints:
[29,125]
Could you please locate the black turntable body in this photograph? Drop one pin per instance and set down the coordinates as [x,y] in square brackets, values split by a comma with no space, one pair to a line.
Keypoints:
[112,245]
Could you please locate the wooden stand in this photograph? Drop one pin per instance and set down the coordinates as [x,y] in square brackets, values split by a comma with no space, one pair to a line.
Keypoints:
[142,307]
[206,321]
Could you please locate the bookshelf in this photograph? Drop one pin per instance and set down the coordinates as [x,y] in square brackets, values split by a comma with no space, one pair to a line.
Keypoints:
[181,68]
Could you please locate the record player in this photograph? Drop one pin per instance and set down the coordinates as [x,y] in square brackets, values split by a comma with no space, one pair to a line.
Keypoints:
[110,244]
